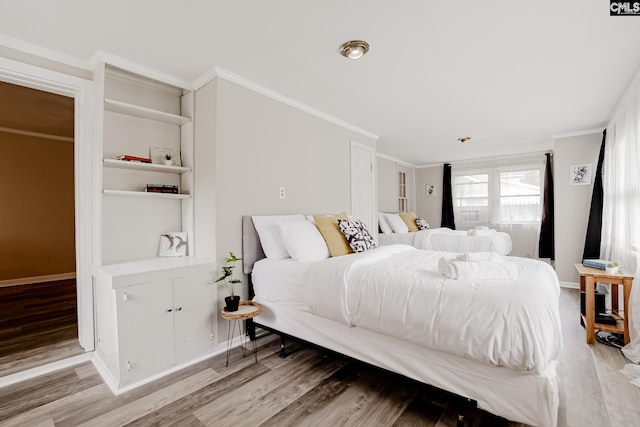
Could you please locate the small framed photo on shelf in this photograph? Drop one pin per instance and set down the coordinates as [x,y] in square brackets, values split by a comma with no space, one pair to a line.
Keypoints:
[165,156]
[173,244]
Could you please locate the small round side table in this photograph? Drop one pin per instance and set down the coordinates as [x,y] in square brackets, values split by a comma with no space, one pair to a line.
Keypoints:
[246,310]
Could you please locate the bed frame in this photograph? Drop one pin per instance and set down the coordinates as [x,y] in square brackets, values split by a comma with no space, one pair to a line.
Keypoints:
[297,330]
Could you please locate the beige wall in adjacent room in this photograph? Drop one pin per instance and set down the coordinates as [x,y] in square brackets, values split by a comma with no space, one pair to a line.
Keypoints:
[262,144]
[429,207]
[572,202]
[37,215]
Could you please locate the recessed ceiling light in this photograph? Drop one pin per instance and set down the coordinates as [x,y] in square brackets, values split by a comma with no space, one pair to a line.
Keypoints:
[465,139]
[354,49]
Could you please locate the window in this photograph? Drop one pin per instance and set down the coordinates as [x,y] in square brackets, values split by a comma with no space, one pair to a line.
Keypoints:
[498,195]
[402,192]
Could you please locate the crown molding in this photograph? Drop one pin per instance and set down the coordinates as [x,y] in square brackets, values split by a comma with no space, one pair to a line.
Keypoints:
[217,72]
[43,52]
[394,159]
[100,56]
[577,133]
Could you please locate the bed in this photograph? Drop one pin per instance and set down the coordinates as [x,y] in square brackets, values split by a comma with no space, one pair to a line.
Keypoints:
[445,239]
[494,342]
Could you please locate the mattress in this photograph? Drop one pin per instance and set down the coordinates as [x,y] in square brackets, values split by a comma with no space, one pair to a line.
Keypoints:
[445,239]
[396,291]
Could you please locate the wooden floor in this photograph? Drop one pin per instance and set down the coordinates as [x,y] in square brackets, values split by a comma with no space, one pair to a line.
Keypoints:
[38,324]
[311,388]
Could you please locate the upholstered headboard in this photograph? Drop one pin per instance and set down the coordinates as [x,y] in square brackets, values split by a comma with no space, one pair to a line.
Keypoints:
[251,247]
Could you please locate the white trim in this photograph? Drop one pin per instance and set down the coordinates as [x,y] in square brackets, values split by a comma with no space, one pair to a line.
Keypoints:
[217,72]
[398,161]
[578,133]
[44,369]
[100,56]
[43,52]
[430,165]
[112,381]
[80,89]
[570,285]
[37,134]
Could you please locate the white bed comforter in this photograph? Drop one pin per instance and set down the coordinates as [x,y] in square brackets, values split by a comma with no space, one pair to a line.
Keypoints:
[396,290]
[445,239]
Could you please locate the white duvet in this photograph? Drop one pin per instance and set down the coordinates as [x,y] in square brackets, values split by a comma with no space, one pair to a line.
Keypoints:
[396,290]
[445,239]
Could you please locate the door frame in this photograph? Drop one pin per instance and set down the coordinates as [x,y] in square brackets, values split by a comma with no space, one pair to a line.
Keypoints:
[79,89]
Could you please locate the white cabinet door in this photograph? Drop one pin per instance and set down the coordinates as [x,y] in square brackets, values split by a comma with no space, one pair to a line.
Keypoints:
[149,324]
[193,316]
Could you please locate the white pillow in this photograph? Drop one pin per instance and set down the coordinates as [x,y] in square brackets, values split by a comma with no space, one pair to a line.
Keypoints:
[268,228]
[397,224]
[383,224]
[304,241]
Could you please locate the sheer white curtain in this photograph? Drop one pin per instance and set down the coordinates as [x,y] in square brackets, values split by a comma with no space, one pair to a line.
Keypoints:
[621,204]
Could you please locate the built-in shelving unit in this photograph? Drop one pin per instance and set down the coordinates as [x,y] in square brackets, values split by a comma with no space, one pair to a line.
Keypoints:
[152,314]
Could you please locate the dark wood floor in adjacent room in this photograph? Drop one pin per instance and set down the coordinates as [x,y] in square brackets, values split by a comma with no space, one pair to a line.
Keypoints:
[311,388]
[38,324]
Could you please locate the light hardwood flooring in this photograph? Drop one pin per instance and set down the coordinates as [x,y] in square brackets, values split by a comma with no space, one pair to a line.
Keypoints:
[312,388]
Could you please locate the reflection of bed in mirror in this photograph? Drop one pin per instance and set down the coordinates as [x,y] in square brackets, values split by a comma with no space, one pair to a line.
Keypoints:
[495,342]
[445,239]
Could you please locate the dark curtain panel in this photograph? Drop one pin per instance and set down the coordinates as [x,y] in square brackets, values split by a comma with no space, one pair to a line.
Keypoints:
[594,226]
[447,199]
[546,244]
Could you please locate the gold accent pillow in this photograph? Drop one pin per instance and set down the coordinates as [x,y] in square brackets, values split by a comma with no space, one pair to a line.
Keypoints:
[409,218]
[328,226]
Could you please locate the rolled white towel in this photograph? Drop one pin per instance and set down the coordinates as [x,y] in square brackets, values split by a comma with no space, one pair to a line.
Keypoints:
[479,256]
[477,270]
[487,232]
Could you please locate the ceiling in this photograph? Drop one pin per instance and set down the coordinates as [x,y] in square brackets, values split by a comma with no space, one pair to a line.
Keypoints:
[509,74]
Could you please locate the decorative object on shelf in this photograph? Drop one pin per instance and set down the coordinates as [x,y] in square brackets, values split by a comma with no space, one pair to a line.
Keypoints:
[232,300]
[580,174]
[612,268]
[130,158]
[167,159]
[159,155]
[162,188]
[173,244]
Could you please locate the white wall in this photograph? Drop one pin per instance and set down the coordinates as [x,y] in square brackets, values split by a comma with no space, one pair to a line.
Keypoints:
[572,202]
[262,144]
[429,207]
[387,185]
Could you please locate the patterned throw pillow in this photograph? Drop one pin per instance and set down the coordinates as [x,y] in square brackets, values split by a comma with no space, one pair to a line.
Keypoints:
[357,235]
[422,224]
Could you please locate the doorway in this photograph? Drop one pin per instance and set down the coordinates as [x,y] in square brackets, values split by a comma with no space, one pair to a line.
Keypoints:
[38,299]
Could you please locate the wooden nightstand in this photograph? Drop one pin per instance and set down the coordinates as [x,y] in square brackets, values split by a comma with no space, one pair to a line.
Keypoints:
[246,310]
[588,277]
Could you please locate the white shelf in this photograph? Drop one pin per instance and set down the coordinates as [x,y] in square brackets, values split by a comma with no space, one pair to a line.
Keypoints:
[143,112]
[151,195]
[153,167]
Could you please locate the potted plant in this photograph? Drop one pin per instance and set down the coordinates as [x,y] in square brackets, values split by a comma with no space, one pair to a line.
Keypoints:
[612,268]
[232,300]
[167,159]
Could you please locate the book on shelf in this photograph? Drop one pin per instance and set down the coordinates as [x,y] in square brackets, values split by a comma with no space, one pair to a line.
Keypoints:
[600,264]
[161,188]
[130,158]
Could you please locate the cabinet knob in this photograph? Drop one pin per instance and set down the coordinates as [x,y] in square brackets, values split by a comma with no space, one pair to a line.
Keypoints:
[179,309]
[169,310]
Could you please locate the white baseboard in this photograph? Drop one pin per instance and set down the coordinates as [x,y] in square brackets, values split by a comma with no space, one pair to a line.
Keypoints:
[44,369]
[570,285]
